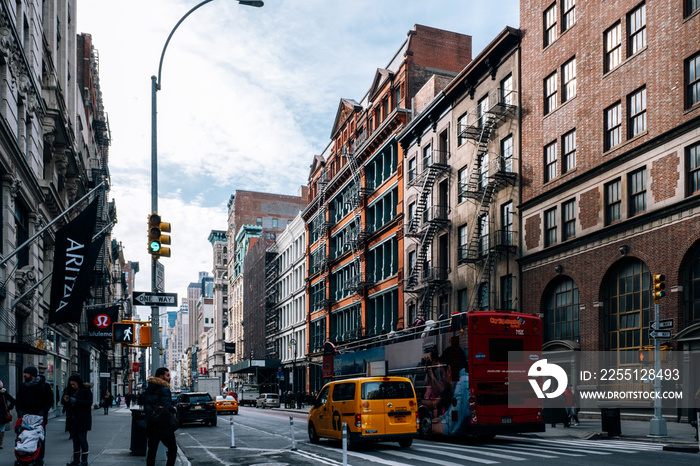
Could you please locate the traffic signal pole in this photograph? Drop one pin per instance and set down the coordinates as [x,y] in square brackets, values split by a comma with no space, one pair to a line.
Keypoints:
[155,324]
[657,425]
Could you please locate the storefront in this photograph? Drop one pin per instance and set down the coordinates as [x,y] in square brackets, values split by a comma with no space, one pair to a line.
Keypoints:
[57,362]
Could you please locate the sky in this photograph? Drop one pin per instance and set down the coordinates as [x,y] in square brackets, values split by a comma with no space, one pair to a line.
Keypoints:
[247,98]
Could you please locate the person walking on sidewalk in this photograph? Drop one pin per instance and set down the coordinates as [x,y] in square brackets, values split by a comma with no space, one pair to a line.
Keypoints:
[107,400]
[6,405]
[35,396]
[157,394]
[570,405]
[81,418]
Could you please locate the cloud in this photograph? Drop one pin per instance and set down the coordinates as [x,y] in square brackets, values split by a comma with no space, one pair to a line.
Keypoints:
[248,97]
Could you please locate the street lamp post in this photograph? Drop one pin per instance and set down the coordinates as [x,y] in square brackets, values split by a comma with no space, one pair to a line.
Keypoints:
[293,342]
[155,87]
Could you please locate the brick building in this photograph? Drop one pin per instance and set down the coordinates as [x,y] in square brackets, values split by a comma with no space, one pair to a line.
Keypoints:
[355,215]
[611,153]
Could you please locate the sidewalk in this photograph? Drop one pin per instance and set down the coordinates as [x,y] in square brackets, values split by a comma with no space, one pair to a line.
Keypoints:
[109,440]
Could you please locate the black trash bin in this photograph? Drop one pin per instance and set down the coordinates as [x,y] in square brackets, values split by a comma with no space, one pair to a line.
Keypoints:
[138,432]
[610,421]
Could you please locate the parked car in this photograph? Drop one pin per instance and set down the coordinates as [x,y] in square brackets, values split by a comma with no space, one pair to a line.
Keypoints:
[226,404]
[384,409]
[268,400]
[196,407]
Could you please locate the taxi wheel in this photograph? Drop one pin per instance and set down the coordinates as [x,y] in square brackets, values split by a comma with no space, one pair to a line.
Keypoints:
[405,442]
[313,436]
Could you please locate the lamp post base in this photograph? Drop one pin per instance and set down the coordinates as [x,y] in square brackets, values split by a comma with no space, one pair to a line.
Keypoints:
[657,427]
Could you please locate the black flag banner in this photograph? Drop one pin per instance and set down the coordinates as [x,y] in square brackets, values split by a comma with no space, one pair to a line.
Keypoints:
[72,267]
[99,321]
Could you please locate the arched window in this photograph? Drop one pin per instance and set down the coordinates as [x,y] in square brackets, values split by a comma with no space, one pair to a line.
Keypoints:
[561,316]
[692,307]
[627,310]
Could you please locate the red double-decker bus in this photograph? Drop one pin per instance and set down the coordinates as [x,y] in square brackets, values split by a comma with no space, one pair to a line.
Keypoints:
[460,367]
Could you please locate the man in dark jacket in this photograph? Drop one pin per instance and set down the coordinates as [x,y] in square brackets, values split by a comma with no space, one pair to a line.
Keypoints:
[157,393]
[35,396]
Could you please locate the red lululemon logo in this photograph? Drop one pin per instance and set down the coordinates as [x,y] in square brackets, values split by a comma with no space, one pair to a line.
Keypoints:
[102,321]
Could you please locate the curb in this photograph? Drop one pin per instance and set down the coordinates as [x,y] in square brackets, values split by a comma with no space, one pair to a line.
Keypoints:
[687,448]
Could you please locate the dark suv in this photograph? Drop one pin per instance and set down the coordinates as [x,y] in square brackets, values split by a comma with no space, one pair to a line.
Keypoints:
[196,407]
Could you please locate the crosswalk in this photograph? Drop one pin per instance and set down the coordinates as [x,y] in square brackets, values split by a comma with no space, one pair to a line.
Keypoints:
[499,451]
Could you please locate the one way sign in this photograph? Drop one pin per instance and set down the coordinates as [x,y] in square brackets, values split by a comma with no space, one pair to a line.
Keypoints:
[144,298]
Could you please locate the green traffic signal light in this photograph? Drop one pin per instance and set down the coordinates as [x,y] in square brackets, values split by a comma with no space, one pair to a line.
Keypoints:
[156,238]
[659,286]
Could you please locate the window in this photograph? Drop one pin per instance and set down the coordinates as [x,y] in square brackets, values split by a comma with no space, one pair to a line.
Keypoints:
[411,169]
[550,25]
[21,233]
[628,310]
[507,292]
[507,96]
[550,227]
[568,212]
[274,223]
[637,21]
[550,162]
[507,216]
[638,112]
[638,191]
[507,154]
[550,93]
[613,202]
[461,127]
[462,301]
[427,157]
[463,236]
[569,76]
[462,180]
[483,235]
[568,17]
[561,316]
[693,80]
[693,164]
[613,47]
[258,221]
[691,6]
[483,108]
[613,126]
[411,262]
[397,96]
[568,142]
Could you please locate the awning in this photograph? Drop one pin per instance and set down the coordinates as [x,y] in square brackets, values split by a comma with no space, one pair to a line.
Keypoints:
[252,365]
[24,348]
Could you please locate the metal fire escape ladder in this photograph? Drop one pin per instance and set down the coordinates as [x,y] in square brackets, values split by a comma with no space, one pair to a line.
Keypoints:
[423,226]
[356,198]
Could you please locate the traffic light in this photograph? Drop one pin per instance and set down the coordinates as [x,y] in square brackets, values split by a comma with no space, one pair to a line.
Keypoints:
[145,334]
[659,286]
[156,238]
[122,333]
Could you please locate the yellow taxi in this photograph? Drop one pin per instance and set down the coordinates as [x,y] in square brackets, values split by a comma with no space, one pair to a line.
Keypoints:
[379,409]
[226,404]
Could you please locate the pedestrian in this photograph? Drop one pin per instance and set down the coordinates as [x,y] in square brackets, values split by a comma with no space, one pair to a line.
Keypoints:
[69,391]
[569,406]
[157,394]
[81,418]
[127,400]
[35,396]
[107,400]
[6,406]
[693,413]
[299,400]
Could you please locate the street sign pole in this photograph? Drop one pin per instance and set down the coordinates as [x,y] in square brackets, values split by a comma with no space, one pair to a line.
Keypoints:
[657,425]
[155,324]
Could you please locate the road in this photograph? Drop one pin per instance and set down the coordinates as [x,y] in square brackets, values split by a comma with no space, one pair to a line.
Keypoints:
[264,437]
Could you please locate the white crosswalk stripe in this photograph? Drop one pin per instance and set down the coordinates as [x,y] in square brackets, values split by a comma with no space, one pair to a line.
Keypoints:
[502,450]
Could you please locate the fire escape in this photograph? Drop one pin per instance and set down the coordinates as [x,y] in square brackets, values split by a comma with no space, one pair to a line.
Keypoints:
[271,298]
[424,222]
[359,233]
[489,174]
